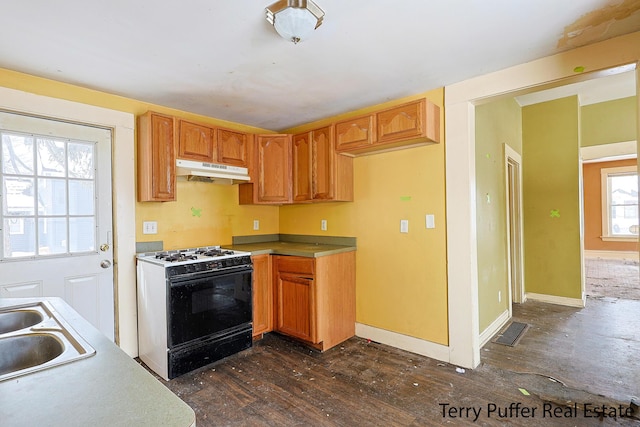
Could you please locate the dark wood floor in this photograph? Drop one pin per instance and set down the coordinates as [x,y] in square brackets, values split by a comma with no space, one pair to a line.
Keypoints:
[617,278]
[567,357]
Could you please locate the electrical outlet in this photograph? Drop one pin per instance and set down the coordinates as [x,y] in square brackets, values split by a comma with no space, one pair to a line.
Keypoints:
[323,225]
[256,224]
[150,227]
[404,225]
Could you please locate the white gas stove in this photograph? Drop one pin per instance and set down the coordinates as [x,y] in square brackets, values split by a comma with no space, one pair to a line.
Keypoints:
[194,307]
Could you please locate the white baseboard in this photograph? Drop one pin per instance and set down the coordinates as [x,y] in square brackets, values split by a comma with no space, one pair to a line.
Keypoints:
[494,327]
[553,299]
[634,255]
[403,342]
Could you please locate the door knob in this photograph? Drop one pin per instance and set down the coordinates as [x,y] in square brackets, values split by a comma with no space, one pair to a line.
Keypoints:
[105,263]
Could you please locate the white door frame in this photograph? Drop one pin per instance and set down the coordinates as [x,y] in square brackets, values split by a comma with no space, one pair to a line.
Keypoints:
[124,200]
[460,100]
[516,290]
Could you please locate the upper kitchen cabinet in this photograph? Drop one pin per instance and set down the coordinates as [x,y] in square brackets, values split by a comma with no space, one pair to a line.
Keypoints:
[156,158]
[232,147]
[319,173]
[301,156]
[355,133]
[195,141]
[407,125]
[406,122]
[270,171]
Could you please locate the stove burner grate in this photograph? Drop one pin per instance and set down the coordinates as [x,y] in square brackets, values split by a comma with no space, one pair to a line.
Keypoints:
[175,257]
[213,252]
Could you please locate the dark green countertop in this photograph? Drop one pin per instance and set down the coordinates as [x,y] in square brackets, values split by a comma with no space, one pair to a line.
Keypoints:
[297,245]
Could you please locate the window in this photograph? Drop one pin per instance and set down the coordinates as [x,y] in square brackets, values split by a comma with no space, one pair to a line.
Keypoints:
[48,196]
[620,203]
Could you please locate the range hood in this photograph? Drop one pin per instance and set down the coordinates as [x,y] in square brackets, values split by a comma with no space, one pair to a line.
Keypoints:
[211,172]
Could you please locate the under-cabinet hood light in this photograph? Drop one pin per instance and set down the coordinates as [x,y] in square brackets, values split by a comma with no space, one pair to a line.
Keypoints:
[211,172]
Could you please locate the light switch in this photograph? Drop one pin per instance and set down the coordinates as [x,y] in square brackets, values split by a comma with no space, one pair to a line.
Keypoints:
[404,225]
[431,222]
[150,227]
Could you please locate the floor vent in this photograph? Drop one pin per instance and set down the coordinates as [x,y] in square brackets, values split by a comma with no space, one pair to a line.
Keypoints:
[512,334]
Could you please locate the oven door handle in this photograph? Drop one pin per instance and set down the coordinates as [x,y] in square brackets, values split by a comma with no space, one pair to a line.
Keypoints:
[179,280]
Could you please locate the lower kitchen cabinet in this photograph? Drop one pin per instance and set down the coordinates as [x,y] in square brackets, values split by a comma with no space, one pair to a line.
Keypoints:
[315,298]
[262,295]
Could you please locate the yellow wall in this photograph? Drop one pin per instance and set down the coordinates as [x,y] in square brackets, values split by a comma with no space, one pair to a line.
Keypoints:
[401,278]
[401,283]
[607,122]
[221,217]
[497,123]
[204,214]
[550,167]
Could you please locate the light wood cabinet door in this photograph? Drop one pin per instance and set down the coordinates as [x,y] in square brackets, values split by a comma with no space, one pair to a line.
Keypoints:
[274,168]
[323,157]
[353,133]
[301,164]
[156,158]
[262,294]
[402,122]
[232,147]
[296,306]
[195,142]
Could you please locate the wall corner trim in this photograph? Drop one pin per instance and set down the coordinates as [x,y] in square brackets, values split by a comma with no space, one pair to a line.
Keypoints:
[553,299]
[494,327]
[403,342]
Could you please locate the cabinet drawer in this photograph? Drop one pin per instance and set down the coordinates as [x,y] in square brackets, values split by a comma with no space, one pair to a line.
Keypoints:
[295,264]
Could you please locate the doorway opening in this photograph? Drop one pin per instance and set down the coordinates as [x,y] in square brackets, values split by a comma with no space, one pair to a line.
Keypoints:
[515,258]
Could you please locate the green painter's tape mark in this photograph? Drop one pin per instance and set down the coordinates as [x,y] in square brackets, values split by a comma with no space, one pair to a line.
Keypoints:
[555,213]
[579,69]
[488,156]
[405,198]
[523,391]
[196,212]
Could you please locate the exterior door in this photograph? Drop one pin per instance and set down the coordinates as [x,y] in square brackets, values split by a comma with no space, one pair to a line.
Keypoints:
[56,216]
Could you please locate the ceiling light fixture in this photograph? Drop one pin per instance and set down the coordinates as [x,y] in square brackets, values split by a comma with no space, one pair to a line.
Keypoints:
[294,20]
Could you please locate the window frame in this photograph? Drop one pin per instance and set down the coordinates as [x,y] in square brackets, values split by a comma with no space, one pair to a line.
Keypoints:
[605,173]
[68,216]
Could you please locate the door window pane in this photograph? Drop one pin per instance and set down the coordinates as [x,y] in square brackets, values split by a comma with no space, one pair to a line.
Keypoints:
[52,236]
[19,197]
[21,240]
[82,234]
[17,154]
[81,200]
[52,196]
[81,160]
[52,159]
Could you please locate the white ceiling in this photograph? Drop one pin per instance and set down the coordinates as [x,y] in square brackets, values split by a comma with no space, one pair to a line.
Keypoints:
[220,58]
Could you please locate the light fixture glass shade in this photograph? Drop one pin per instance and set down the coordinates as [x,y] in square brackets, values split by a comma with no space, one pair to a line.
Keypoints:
[294,20]
[295,24]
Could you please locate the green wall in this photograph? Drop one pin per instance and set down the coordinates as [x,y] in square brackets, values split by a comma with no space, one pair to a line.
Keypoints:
[606,122]
[497,123]
[551,198]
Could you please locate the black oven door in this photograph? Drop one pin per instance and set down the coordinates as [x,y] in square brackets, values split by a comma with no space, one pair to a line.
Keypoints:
[208,303]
